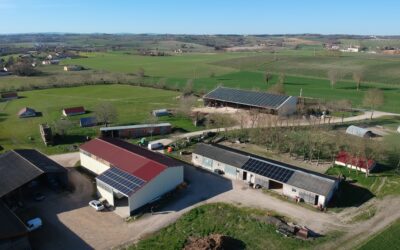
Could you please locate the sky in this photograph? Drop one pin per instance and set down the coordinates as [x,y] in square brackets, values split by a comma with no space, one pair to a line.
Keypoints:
[201,16]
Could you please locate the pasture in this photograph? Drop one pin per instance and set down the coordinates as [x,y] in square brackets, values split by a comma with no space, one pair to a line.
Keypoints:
[388,239]
[133,105]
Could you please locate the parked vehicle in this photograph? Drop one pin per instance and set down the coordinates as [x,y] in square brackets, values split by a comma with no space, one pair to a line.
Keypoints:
[38,196]
[219,171]
[96,205]
[155,146]
[34,224]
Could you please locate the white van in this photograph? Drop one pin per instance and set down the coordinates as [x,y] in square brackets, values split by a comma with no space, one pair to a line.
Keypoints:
[34,224]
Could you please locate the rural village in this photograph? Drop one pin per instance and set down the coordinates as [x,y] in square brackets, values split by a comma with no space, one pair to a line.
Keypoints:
[151,141]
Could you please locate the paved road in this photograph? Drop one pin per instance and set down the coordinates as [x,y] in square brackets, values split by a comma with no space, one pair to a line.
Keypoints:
[366,115]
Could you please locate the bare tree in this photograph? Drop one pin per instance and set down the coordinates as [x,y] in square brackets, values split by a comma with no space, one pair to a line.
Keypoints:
[278,89]
[188,89]
[282,78]
[62,126]
[373,99]
[106,113]
[186,103]
[267,76]
[333,77]
[140,72]
[357,77]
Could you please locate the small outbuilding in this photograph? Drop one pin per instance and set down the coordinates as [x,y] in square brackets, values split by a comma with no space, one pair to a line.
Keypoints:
[355,162]
[73,68]
[9,96]
[88,122]
[398,129]
[160,112]
[74,111]
[136,131]
[129,176]
[26,112]
[360,132]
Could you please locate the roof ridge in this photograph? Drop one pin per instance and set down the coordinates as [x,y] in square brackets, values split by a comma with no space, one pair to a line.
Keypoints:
[27,159]
[164,165]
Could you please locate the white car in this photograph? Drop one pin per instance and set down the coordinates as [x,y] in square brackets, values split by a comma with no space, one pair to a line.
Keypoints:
[34,224]
[96,205]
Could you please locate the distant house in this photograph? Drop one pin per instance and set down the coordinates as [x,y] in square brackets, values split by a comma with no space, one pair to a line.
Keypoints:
[136,131]
[160,112]
[9,96]
[4,72]
[73,68]
[360,132]
[74,111]
[26,112]
[88,122]
[49,62]
[353,162]
[351,49]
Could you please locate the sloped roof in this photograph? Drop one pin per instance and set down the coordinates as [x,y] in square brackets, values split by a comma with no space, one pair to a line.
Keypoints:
[246,97]
[74,110]
[88,121]
[138,126]
[9,95]
[26,109]
[10,224]
[40,161]
[131,158]
[361,162]
[357,131]
[221,155]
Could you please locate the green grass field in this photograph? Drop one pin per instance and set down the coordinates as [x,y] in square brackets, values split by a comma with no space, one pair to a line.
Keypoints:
[132,103]
[388,239]
[239,223]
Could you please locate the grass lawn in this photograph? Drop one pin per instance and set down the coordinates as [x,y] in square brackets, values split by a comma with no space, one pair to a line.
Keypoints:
[388,239]
[239,223]
[132,103]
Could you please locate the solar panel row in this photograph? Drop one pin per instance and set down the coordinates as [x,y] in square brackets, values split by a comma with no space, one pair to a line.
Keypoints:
[121,181]
[268,170]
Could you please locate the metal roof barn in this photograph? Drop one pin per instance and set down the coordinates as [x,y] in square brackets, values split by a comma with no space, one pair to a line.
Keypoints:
[360,132]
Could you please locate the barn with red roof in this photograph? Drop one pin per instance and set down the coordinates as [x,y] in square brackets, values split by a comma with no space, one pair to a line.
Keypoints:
[129,176]
[74,111]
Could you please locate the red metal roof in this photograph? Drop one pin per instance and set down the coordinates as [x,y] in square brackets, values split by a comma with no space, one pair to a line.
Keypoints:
[131,158]
[360,162]
[9,95]
[74,110]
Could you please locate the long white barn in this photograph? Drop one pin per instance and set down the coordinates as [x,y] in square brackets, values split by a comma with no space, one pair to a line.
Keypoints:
[311,187]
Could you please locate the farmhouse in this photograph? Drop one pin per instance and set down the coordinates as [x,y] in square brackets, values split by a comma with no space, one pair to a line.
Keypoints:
[73,68]
[245,99]
[88,122]
[74,111]
[135,131]
[360,132]
[9,96]
[353,162]
[19,167]
[129,176]
[26,112]
[291,181]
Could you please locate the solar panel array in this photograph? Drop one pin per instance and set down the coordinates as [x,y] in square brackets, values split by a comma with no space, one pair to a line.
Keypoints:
[245,97]
[122,181]
[268,170]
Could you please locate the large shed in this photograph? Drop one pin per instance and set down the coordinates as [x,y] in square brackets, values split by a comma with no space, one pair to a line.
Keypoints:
[245,99]
[129,176]
[136,131]
[312,187]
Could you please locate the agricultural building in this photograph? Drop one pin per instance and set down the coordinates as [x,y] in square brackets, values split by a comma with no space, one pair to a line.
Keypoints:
[311,187]
[46,134]
[353,162]
[135,131]
[19,167]
[129,176]
[73,68]
[26,112]
[160,112]
[13,232]
[88,122]
[74,111]
[360,132]
[245,99]
[9,96]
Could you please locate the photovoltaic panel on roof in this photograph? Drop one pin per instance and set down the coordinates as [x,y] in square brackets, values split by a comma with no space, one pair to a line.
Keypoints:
[121,181]
[245,97]
[268,170]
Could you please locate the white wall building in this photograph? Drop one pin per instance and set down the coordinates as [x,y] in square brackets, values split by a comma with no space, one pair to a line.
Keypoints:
[294,182]
[129,176]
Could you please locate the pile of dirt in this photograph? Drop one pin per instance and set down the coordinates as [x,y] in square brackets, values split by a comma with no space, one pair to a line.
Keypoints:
[214,242]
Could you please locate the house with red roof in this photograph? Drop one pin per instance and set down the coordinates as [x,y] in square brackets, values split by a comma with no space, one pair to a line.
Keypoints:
[354,162]
[129,176]
[74,111]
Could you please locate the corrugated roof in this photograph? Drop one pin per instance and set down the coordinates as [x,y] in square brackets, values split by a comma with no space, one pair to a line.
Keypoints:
[26,109]
[136,126]
[10,224]
[131,158]
[361,162]
[40,161]
[246,97]
[9,95]
[357,131]
[88,121]
[312,183]
[74,110]
[15,171]
[221,155]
